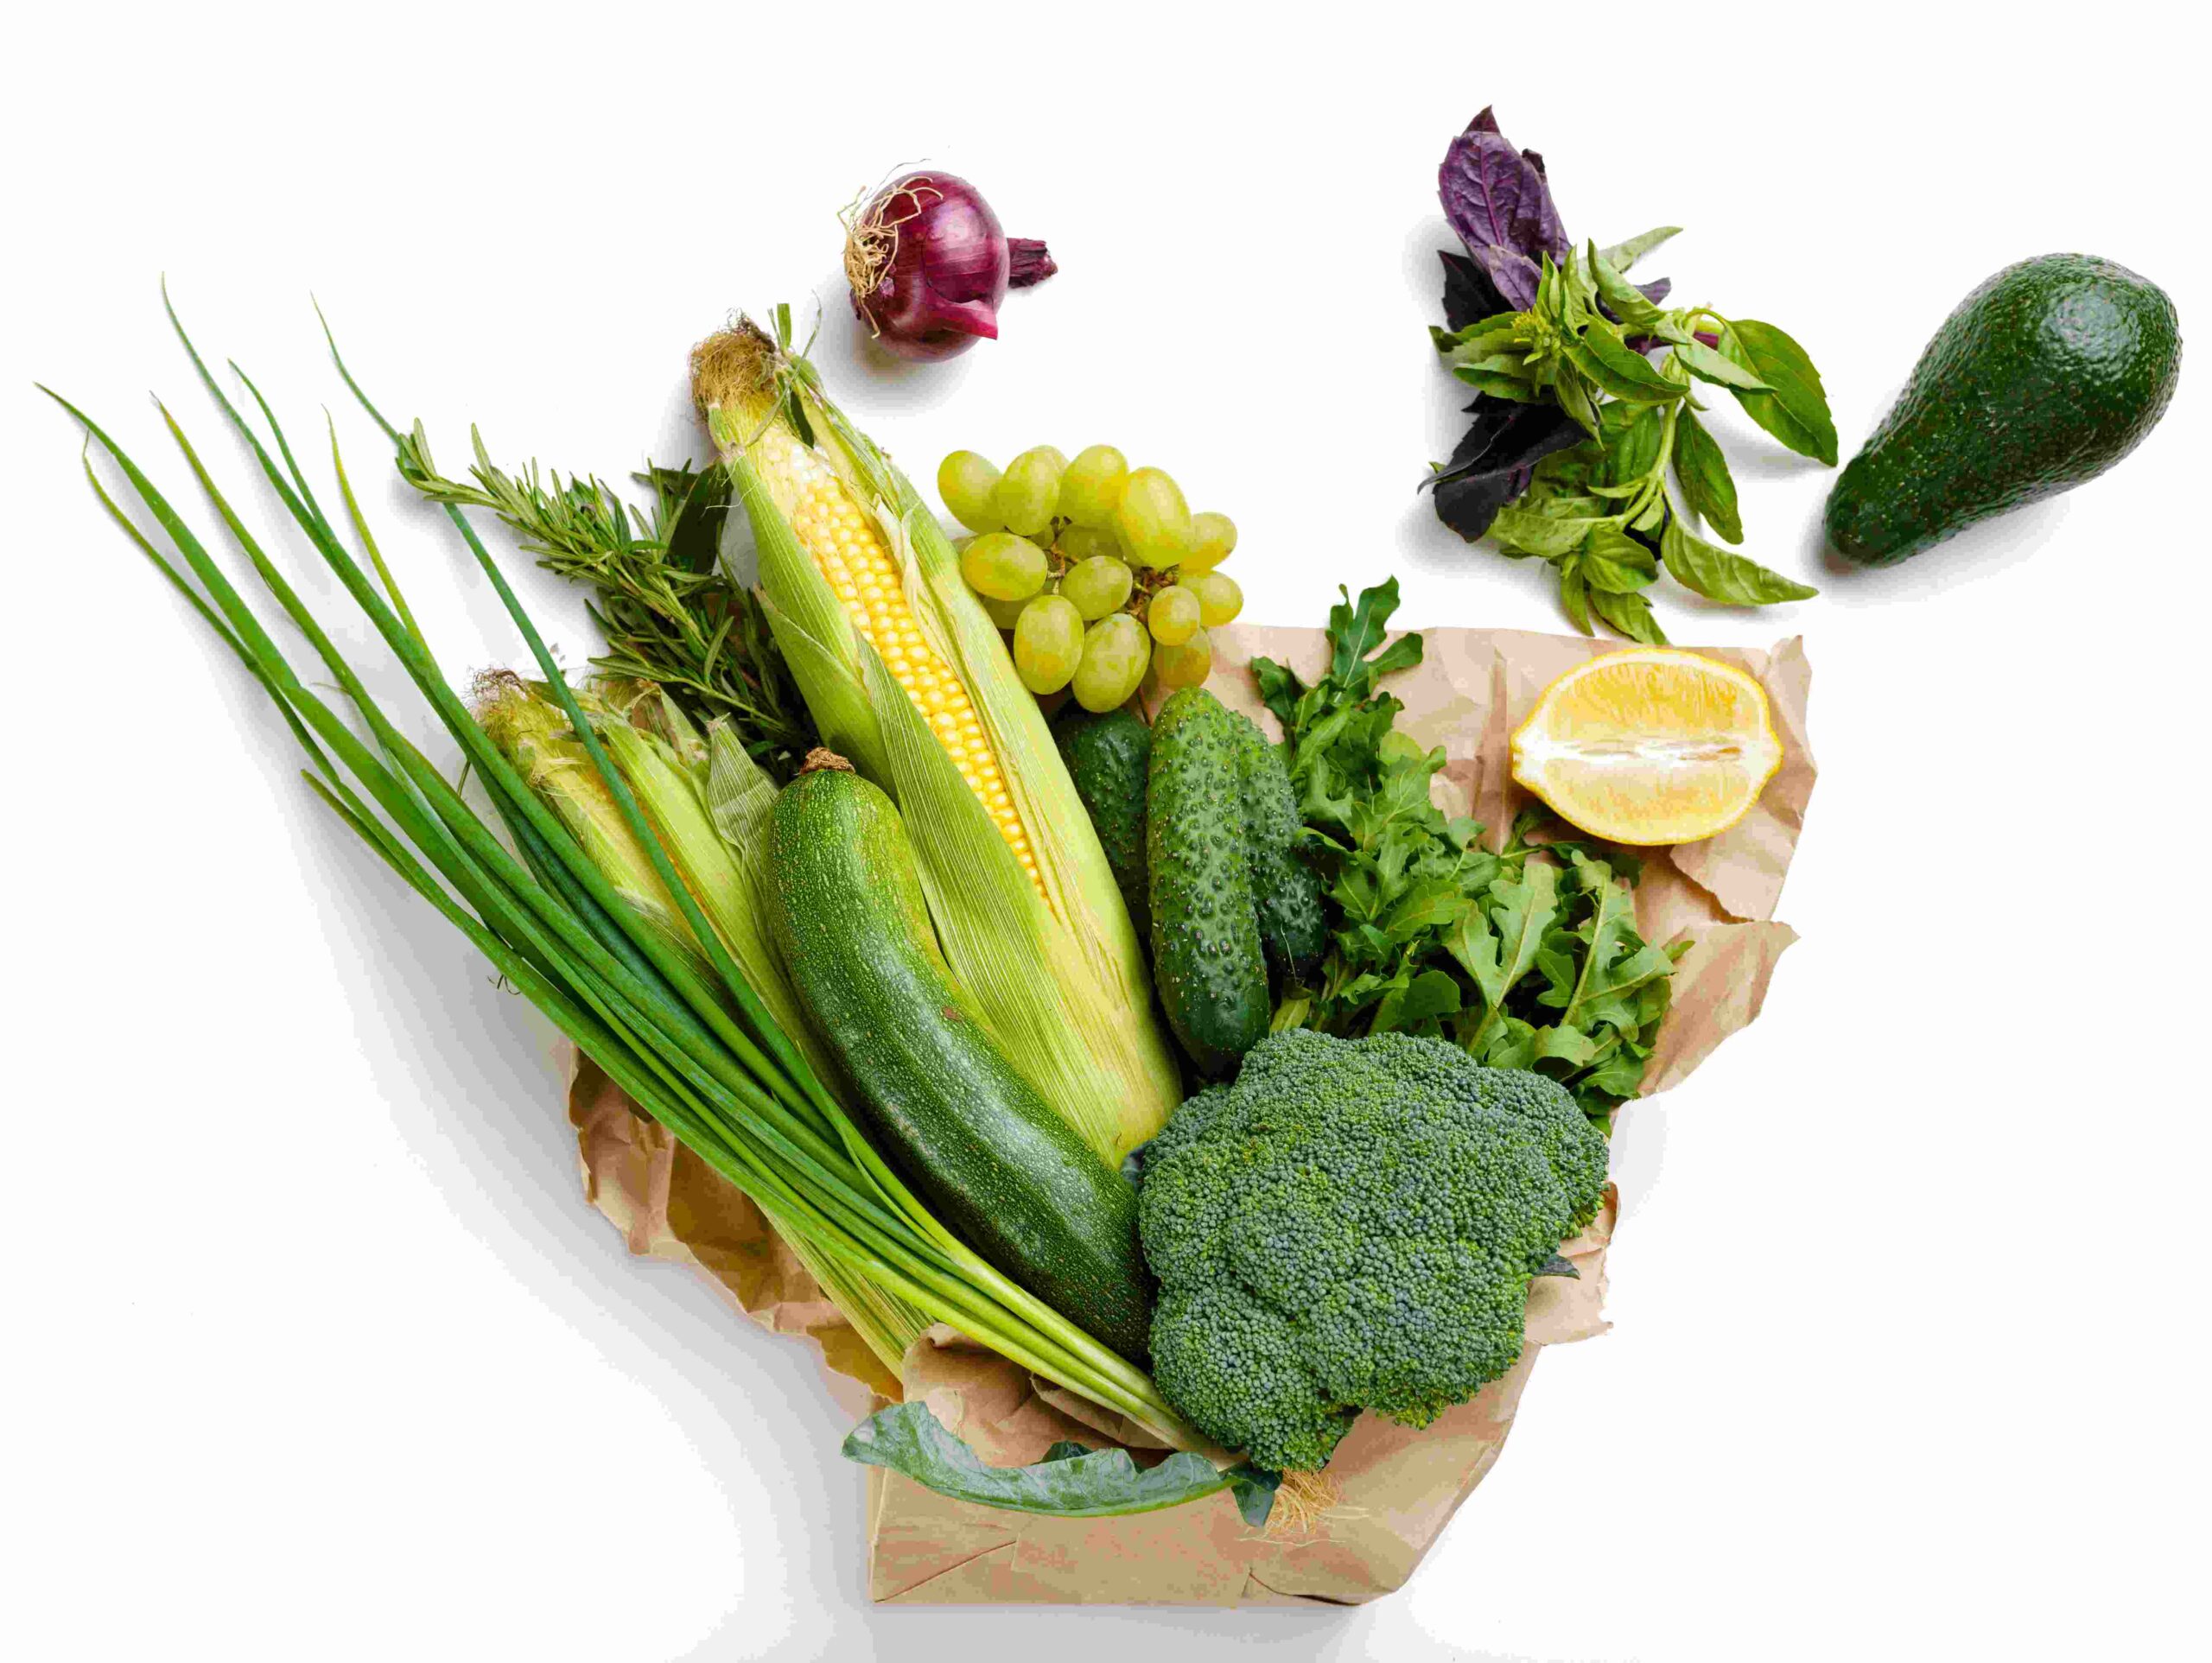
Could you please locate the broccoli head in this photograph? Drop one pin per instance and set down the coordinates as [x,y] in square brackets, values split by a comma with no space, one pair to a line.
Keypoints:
[1353,1225]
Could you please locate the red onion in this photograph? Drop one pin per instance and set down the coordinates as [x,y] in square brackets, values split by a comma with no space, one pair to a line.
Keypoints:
[929,266]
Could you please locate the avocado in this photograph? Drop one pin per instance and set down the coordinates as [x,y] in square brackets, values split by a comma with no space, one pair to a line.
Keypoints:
[2043,378]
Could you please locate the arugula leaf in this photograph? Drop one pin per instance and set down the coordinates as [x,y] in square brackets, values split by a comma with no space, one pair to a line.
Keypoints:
[1563,1045]
[1722,574]
[1280,689]
[1797,411]
[1526,954]
[1070,1483]
[1511,1045]
[1706,479]
[1498,945]
[1424,999]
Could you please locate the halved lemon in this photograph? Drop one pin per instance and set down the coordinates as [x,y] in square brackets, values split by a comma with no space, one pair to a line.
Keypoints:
[1650,745]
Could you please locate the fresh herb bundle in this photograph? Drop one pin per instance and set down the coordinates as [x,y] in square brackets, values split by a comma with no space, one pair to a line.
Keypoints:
[1527,955]
[1585,400]
[669,613]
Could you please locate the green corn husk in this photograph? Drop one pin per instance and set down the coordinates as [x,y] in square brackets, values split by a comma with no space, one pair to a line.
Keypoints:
[1053,960]
[666,763]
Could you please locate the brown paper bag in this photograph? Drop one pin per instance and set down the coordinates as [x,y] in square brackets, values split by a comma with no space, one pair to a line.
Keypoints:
[1395,1489]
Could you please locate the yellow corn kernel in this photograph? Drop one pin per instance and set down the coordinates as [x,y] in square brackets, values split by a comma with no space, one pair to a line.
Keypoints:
[854,560]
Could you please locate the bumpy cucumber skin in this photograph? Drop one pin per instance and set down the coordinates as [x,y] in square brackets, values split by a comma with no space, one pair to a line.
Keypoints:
[1285,891]
[1206,960]
[1108,755]
[979,1142]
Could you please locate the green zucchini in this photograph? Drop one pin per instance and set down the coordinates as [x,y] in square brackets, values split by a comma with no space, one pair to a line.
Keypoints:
[1285,891]
[982,1147]
[1206,959]
[1108,754]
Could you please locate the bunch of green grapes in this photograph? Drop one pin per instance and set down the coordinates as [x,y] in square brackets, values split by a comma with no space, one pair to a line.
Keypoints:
[1099,570]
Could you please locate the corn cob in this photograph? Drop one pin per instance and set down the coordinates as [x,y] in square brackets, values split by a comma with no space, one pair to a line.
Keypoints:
[849,550]
[666,763]
[906,676]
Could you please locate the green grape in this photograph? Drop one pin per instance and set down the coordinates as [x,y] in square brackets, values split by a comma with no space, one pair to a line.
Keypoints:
[1091,487]
[1152,520]
[1114,654]
[1002,566]
[1213,539]
[1080,542]
[1219,598]
[1047,643]
[1173,615]
[1003,613]
[1185,665]
[965,481]
[1098,586]
[1028,494]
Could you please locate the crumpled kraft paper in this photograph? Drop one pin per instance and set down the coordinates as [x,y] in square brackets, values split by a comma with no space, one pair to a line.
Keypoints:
[1395,1489]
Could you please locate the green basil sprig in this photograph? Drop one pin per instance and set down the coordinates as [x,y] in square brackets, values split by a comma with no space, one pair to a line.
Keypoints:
[1625,370]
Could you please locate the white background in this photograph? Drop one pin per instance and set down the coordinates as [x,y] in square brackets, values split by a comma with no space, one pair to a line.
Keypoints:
[314,1349]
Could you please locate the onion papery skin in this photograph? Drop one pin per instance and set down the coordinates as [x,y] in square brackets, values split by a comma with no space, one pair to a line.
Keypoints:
[928,264]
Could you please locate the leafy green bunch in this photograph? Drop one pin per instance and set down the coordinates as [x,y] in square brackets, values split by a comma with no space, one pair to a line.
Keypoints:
[1527,954]
[669,611]
[1598,506]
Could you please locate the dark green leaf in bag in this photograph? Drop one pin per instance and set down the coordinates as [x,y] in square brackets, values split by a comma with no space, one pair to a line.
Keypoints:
[1095,1484]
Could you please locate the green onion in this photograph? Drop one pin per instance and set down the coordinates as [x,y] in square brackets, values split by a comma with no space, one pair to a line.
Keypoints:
[675,1023]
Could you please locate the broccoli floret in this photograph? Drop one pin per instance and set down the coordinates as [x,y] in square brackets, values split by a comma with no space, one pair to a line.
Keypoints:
[1352,1225]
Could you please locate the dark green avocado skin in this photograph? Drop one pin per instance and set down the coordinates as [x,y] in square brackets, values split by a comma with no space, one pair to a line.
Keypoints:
[2043,378]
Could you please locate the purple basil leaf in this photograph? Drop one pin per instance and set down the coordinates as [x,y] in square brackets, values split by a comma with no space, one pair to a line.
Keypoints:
[1656,290]
[1493,464]
[1497,201]
[1469,295]
[1514,276]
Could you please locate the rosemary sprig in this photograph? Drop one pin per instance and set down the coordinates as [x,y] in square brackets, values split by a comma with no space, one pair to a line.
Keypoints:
[668,611]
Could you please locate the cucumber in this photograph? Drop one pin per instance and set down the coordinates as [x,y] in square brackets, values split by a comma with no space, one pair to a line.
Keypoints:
[982,1145]
[1285,891]
[1206,959]
[1108,754]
